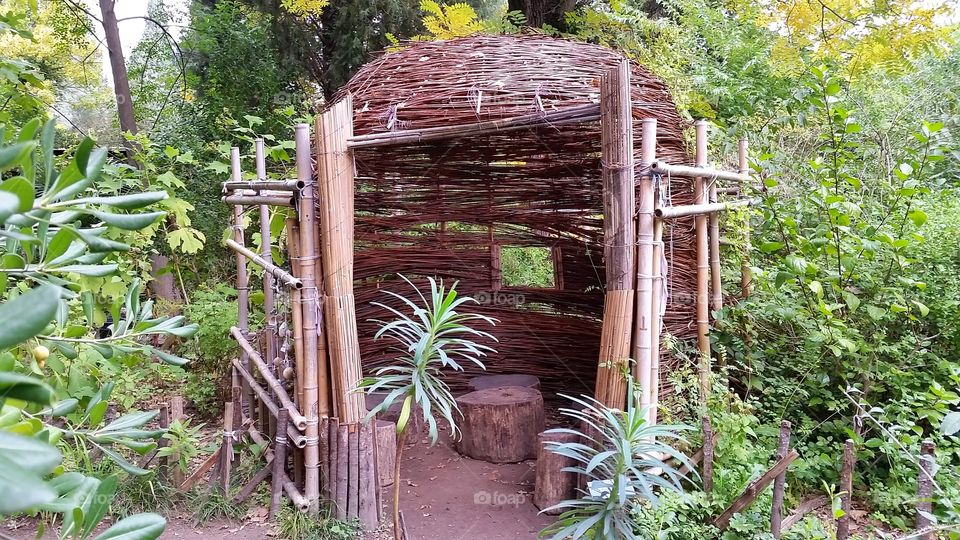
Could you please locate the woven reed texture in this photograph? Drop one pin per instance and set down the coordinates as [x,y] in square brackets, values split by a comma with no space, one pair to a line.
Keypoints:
[435,209]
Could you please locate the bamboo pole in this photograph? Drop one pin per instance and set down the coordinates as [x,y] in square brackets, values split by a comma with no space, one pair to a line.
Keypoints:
[649,201]
[298,419]
[336,183]
[619,197]
[703,266]
[271,271]
[716,287]
[324,394]
[266,252]
[779,484]
[261,183]
[309,303]
[243,290]
[298,439]
[279,463]
[256,200]
[685,210]
[575,114]
[683,171]
[293,249]
[746,276]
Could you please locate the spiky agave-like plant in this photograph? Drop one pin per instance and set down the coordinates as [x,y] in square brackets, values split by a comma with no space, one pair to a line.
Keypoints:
[433,337]
[621,456]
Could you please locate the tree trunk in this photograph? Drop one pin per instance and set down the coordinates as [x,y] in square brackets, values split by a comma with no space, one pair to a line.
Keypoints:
[121,86]
[540,12]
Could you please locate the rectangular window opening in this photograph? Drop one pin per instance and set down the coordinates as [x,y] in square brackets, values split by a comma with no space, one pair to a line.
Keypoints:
[528,266]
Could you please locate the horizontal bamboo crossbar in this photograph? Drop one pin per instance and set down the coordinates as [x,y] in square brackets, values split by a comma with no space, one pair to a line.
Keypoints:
[277,272]
[264,185]
[697,172]
[297,438]
[256,200]
[581,113]
[298,419]
[672,212]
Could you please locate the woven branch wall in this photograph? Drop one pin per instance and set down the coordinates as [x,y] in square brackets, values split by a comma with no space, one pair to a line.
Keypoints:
[438,208]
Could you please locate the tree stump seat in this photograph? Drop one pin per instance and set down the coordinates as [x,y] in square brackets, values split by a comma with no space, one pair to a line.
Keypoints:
[482,382]
[501,425]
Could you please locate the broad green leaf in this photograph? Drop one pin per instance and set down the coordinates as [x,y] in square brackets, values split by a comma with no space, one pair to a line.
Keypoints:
[129,222]
[27,315]
[12,155]
[950,424]
[9,204]
[133,201]
[24,387]
[136,527]
[28,454]
[22,489]
[169,358]
[22,190]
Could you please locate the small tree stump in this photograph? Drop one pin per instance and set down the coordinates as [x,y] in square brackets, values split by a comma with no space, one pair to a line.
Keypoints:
[500,425]
[553,485]
[386,433]
[484,382]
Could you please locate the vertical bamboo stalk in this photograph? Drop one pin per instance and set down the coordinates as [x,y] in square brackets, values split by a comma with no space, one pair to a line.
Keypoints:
[279,461]
[243,289]
[716,287]
[776,509]
[746,277]
[324,394]
[310,307]
[336,189]
[648,154]
[928,463]
[293,248]
[619,204]
[226,454]
[708,445]
[846,489]
[266,251]
[703,267]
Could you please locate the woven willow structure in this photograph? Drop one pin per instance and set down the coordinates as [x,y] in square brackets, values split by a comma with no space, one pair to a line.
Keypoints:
[448,207]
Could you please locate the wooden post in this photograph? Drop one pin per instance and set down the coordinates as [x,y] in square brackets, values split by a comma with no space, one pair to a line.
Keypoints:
[336,189]
[746,277]
[176,413]
[226,454]
[243,289]
[163,470]
[928,462]
[846,489]
[309,304]
[279,462]
[648,154]
[708,442]
[619,205]
[776,510]
[703,267]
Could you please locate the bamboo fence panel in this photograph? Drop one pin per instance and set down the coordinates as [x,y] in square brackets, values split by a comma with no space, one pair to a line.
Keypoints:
[618,232]
[336,188]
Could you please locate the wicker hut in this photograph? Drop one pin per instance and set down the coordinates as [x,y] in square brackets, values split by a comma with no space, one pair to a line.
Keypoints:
[452,208]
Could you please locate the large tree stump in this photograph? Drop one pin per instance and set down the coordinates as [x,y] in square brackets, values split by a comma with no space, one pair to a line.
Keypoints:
[553,485]
[386,434]
[500,425]
[483,382]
